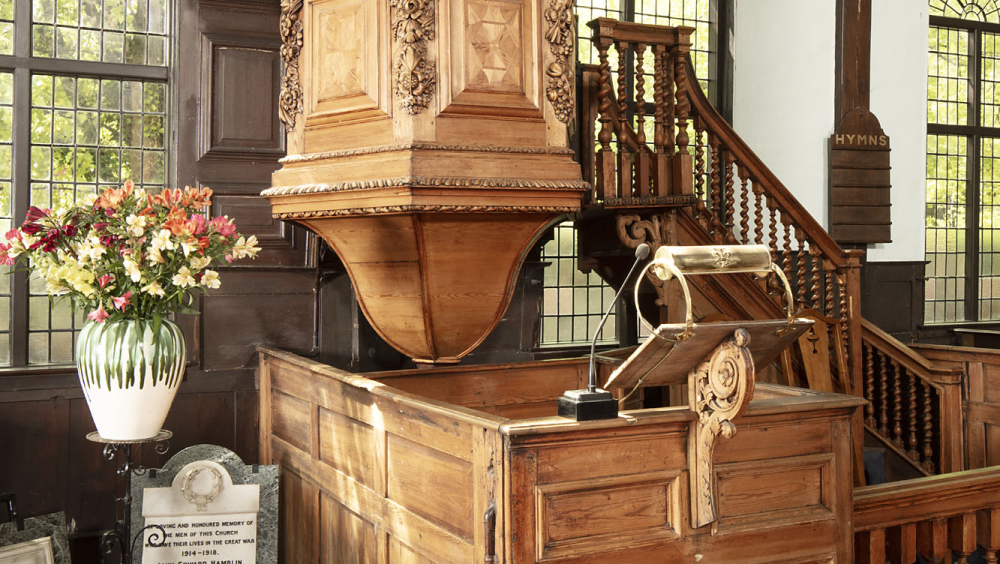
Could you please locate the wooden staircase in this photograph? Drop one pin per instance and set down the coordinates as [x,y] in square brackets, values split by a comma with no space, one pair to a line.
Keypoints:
[694,181]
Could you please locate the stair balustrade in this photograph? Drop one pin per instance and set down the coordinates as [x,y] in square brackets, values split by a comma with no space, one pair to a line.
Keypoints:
[935,517]
[694,159]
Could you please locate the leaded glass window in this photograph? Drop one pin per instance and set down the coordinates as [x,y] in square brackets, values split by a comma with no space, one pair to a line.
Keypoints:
[83,107]
[962,220]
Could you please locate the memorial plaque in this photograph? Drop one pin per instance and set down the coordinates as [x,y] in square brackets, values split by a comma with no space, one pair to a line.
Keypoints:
[203,518]
[213,509]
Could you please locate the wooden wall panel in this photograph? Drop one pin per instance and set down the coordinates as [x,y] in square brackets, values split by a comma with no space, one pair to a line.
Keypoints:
[299,524]
[239,123]
[345,538]
[432,484]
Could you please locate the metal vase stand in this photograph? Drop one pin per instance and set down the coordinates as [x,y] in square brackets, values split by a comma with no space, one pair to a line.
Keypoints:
[121,535]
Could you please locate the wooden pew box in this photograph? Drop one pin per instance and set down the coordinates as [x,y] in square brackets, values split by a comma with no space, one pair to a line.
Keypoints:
[468,465]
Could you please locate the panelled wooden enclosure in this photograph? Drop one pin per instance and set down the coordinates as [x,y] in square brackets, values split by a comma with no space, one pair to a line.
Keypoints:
[470,464]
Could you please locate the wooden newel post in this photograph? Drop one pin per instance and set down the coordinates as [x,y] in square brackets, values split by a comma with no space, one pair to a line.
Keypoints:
[855,362]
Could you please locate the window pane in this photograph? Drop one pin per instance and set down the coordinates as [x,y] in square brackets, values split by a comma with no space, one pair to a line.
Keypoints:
[945,223]
[92,30]
[86,135]
[6,126]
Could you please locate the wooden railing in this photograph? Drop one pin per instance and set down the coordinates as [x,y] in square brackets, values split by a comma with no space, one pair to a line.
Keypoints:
[693,150]
[928,516]
[915,405]
[980,398]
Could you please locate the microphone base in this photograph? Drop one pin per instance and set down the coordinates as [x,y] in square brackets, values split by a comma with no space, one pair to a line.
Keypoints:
[584,405]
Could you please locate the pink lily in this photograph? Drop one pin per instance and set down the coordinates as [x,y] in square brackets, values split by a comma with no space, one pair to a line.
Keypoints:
[98,315]
[122,301]
[105,280]
[13,234]
[5,259]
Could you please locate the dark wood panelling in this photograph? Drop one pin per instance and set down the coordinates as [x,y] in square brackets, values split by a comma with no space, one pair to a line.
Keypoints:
[235,124]
[229,99]
[252,311]
[892,296]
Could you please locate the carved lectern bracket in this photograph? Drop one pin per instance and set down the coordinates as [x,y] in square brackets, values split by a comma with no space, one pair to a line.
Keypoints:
[560,36]
[413,72]
[720,389]
[656,231]
[290,27]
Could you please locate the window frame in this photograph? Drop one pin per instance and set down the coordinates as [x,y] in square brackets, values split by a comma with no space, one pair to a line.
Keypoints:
[22,64]
[974,135]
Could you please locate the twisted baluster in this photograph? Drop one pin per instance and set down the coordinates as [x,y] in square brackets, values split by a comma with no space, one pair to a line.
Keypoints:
[716,184]
[869,386]
[800,274]
[683,104]
[844,315]
[758,192]
[658,102]
[814,264]
[928,460]
[897,401]
[699,167]
[773,243]
[640,96]
[744,206]
[912,442]
[786,253]
[883,408]
[604,95]
[828,288]
[622,47]
[669,102]
[730,213]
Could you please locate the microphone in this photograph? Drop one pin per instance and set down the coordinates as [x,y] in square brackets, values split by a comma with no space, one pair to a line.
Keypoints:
[641,252]
[593,403]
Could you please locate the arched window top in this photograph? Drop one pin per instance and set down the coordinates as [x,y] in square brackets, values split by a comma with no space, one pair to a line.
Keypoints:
[975,10]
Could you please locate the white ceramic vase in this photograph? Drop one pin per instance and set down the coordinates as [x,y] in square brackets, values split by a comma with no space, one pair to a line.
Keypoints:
[130,375]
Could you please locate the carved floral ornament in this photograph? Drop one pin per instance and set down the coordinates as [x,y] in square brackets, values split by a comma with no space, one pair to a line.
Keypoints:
[561,36]
[290,28]
[412,70]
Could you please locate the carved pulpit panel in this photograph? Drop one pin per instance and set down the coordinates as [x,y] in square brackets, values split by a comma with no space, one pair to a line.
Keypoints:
[344,75]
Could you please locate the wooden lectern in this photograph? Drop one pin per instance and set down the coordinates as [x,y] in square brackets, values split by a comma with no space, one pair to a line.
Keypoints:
[716,360]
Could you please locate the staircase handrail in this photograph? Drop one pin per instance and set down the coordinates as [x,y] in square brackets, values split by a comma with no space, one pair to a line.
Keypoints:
[923,499]
[772,186]
[918,363]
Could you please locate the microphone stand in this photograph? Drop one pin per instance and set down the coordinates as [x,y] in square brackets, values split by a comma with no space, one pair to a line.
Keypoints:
[595,403]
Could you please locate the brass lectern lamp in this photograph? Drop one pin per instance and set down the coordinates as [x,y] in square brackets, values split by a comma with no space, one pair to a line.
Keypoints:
[675,353]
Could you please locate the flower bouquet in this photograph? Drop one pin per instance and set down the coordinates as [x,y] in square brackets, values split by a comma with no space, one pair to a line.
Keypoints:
[130,259]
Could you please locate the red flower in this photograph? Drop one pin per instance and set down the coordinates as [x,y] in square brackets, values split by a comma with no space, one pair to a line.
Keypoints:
[122,301]
[98,315]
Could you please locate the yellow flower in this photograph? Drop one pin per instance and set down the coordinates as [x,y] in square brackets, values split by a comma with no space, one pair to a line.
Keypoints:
[183,277]
[153,289]
[210,279]
[132,269]
[199,263]
[245,247]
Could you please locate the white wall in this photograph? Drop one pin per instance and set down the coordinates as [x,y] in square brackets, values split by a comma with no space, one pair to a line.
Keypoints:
[784,101]
[899,99]
[783,91]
